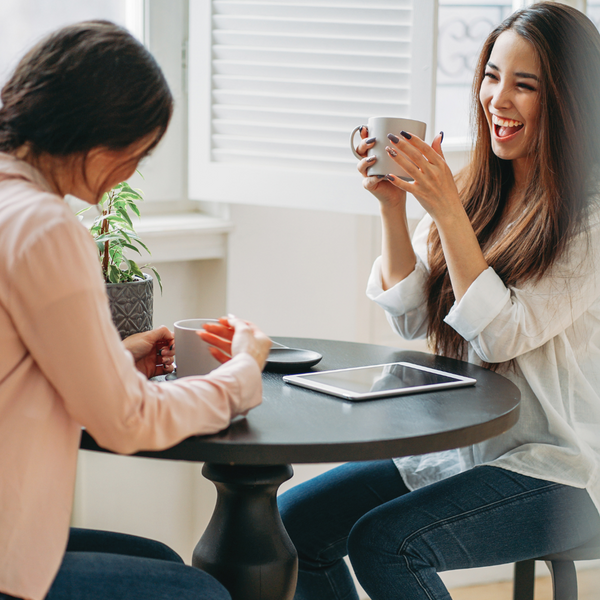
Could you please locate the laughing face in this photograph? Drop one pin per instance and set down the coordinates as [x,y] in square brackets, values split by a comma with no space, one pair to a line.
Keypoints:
[510,97]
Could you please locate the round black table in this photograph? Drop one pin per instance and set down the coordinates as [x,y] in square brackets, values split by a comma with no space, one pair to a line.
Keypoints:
[245,545]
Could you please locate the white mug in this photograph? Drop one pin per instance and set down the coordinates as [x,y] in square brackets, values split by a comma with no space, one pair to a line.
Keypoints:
[379,127]
[191,352]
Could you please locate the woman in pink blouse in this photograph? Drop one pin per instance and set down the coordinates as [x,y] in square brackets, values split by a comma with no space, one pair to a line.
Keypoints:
[80,111]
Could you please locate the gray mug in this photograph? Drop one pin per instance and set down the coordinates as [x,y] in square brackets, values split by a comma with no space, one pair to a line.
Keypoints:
[191,352]
[379,127]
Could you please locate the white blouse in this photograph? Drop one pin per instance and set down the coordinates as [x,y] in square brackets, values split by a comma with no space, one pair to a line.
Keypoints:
[551,328]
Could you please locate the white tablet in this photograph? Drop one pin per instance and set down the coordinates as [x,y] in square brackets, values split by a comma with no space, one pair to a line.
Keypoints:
[379,381]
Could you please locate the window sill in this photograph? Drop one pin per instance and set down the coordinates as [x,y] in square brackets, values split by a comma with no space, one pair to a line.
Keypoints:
[181,236]
[184,236]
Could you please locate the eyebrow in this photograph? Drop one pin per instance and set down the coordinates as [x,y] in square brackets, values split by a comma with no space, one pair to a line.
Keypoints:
[518,73]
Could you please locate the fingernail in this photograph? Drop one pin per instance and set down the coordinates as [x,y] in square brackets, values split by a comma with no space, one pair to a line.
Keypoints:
[390,177]
[160,352]
[442,138]
[370,140]
[405,135]
[171,347]
[380,176]
[371,159]
[391,151]
[393,138]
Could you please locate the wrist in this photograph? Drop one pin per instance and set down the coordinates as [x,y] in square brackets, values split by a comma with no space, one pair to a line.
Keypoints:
[451,219]
[392,208]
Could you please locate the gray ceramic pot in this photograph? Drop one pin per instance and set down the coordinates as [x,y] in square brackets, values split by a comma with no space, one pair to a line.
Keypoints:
[131,305]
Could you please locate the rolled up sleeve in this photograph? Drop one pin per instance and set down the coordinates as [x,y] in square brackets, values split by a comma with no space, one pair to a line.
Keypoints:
[481,304]
[405,303]
[503,322]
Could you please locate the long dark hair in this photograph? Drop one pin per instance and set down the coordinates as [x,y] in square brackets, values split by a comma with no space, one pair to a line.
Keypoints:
[88,85]
[567,155]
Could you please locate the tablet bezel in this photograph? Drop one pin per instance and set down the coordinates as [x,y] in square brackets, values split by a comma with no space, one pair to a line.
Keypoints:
[305,380]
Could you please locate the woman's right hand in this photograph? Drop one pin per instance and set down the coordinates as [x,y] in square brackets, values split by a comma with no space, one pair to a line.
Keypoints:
[231,336]
[380,187]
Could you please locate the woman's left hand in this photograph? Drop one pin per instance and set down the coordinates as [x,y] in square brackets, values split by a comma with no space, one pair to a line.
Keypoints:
[433,184]
[153,351]
[436,191]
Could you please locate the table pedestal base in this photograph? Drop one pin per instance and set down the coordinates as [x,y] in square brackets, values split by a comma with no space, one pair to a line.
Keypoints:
[245,545]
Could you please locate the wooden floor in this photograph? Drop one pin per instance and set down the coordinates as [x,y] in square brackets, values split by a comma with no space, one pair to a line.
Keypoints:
[588,584]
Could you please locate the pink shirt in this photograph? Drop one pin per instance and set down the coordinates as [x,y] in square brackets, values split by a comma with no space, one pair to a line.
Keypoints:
[64,367]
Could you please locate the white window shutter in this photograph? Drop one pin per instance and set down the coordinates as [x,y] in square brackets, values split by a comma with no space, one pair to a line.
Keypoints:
[276,87]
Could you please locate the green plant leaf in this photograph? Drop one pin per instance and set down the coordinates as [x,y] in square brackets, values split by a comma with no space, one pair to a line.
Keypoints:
[157,279]
[138,241]
[132,247]
[110,237]
[133,207]
[135,269]
[130,236]
[114,274]
[125,216]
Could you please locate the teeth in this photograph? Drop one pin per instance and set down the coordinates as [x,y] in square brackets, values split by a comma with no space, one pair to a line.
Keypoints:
[505,122]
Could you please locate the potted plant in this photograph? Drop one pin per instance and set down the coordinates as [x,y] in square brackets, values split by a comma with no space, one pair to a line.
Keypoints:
[130,291]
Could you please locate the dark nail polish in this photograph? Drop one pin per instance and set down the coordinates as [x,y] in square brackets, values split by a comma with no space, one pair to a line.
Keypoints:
[442,138]
[370,140]
[405,135]
[390,177]
[393,138]
[171,347]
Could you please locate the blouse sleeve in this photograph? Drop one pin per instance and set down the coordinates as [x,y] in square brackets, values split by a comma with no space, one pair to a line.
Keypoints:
[503,322]
[58,304]
[405,304]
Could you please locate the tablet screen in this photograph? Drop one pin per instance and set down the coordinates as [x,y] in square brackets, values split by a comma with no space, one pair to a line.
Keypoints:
[379,380]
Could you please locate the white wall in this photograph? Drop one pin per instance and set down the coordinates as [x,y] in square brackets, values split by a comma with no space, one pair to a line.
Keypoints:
[301,273]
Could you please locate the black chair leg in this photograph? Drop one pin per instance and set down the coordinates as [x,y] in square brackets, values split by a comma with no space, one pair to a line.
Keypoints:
[524,581]
[564,579]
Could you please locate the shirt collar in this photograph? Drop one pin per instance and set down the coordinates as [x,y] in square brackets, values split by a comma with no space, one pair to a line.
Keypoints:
[12,167]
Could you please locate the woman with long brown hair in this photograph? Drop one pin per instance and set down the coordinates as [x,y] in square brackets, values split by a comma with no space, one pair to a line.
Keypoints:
[503,271]
[82,108]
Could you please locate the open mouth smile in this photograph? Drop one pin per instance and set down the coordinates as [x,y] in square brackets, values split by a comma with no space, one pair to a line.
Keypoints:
[506,129]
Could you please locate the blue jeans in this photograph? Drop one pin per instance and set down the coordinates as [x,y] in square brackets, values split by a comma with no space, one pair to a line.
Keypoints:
[101,565]
[399,540]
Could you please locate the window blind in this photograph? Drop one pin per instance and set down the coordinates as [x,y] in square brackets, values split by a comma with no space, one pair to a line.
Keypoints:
[276,86]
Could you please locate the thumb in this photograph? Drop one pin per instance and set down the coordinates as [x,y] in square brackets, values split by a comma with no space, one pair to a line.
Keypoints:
[238,324]
[437,144]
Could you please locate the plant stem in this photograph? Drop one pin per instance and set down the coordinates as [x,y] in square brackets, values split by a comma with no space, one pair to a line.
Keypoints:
[106,256]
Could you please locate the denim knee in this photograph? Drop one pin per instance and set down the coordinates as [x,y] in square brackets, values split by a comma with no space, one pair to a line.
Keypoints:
[369,543]
[372,544]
